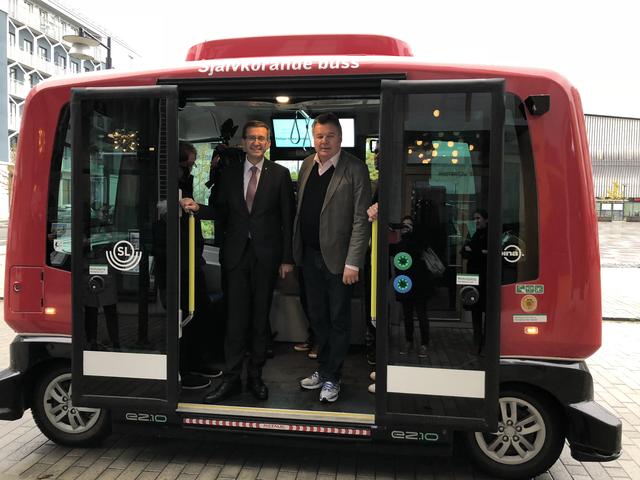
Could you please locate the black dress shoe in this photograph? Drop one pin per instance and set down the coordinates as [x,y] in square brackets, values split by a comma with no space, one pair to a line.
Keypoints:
[207,370]
[258,388]
[223,391]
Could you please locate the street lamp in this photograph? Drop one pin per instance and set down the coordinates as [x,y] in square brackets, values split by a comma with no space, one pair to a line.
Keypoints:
[81,46]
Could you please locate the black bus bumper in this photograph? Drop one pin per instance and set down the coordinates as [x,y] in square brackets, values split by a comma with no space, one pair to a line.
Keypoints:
[11,395]
[594,434]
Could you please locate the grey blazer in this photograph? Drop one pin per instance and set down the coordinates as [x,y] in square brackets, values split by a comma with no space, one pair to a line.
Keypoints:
[344,225]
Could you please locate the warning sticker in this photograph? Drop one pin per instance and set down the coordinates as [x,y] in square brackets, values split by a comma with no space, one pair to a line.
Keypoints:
[98,270]
[468,279]
[531,289]
[530,319]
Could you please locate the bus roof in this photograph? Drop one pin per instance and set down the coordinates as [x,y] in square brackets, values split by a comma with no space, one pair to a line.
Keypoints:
[298,55]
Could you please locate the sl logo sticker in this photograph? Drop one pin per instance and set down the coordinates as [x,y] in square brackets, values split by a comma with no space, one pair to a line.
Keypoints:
[123,256]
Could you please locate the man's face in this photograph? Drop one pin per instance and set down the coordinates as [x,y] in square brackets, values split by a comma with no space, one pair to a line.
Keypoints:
[479,220]
[326,141]
[256,143]
[187,165]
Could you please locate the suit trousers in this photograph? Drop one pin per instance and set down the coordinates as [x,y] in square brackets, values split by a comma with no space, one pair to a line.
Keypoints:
[249,290]
[329,307]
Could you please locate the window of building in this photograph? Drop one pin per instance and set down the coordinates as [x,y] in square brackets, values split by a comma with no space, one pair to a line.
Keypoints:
[27,46]
[35,79]
[12,39]
[13,73]
[43,53]
[61,61]
[75,68]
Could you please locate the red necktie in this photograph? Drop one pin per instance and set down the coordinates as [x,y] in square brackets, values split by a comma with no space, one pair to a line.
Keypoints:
[251,187]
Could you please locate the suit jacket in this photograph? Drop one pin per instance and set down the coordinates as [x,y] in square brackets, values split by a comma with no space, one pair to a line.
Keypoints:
[269,223]
[344,224]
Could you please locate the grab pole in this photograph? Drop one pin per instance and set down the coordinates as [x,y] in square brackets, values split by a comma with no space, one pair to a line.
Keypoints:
[374,268]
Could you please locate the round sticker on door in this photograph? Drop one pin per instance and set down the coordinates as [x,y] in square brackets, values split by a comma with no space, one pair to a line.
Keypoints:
[529,303]
[123,256]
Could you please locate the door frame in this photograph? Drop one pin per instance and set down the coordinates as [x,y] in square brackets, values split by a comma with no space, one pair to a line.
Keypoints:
[392,114]
[168,149]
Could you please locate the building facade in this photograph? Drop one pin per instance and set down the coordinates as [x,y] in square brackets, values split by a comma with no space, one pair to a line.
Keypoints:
[31,50]
[614,145]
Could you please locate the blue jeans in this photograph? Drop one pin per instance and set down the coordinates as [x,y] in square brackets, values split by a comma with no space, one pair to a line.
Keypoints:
[329,307]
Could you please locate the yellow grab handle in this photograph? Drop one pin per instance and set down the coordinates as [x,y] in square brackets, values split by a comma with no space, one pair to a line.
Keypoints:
[192,263]
[374,267]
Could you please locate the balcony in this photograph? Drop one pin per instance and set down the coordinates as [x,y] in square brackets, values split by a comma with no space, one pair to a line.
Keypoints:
[14,122]
[24,15]
[19,55]
[18,88]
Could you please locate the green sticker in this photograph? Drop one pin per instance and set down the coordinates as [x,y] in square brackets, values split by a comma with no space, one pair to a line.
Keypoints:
[402,261]
[529,289]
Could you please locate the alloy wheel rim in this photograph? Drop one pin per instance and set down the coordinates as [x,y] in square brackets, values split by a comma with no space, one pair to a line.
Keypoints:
[61,412]
[521,433]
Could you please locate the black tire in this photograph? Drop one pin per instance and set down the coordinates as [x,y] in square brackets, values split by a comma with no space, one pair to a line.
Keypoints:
[58,419]
[529,440]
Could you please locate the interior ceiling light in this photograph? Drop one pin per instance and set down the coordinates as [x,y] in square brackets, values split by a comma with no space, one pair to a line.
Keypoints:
[282,99]
[436,113]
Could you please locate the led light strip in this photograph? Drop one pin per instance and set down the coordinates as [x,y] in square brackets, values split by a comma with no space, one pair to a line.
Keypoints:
[358,432]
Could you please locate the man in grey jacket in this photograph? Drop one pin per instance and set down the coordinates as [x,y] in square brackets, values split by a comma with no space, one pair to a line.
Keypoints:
[331,234]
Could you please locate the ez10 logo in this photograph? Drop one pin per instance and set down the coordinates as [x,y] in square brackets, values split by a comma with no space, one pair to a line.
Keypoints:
[123,256]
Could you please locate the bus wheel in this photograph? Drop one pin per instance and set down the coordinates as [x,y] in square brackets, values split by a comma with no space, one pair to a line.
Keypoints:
[529,439]
[59,419]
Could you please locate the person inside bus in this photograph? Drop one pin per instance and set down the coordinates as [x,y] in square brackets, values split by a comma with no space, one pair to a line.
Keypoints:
[414,300]
[253,207]
[475,251]
[331,235]
[195,372]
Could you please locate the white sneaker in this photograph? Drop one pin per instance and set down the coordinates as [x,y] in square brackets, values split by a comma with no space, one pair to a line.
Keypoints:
[372,388]
[312,382]
[329,392]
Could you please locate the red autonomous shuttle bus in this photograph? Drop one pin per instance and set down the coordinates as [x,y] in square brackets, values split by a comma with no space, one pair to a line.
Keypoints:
[96,176]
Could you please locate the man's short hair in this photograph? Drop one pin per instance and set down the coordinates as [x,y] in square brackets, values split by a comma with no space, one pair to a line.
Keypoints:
[327,119]
[185,150]
[255,124]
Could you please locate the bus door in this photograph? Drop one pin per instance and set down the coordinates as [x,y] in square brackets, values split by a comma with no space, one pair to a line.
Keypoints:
[124,278]
[441,168]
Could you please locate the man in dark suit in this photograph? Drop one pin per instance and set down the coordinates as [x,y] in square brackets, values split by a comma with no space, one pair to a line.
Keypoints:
[253,207]
[331,235]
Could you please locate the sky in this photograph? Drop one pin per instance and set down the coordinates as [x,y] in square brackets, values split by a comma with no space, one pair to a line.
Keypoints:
[593,44]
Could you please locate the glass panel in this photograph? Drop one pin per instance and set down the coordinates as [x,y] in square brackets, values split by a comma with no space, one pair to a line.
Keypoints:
[519,198]
[438,250]
[125,232]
